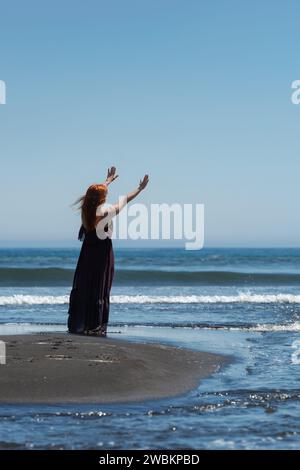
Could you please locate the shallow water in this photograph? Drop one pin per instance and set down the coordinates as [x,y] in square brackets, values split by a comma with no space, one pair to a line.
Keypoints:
[252,403]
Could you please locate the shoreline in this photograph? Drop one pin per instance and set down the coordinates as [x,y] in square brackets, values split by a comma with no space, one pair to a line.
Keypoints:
[57,368]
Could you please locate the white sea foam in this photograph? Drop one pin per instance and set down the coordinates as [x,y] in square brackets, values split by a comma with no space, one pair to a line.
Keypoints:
[24,328]
[269,327]
[154,299]
[20,299]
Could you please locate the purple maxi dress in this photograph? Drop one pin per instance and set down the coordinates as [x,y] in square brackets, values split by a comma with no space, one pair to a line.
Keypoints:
[89,297]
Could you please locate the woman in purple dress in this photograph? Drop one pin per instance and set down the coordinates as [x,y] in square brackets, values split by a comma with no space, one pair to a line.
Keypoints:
[89,297]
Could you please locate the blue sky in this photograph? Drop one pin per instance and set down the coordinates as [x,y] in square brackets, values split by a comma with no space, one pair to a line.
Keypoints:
[195,93]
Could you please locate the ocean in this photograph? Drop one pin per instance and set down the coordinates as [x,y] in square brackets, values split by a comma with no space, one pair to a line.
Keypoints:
[243,303]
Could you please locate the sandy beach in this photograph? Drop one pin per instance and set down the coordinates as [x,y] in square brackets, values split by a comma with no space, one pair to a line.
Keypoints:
[64,368]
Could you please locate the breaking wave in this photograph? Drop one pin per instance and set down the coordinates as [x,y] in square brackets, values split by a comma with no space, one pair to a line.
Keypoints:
[158,299]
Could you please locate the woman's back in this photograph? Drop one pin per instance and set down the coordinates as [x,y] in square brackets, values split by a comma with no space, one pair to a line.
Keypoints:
[89,298]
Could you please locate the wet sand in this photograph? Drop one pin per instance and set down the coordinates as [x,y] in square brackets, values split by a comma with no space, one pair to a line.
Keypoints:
[63,368]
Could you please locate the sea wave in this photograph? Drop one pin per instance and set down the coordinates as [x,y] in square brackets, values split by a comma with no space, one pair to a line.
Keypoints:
[258,328]
[62,276]
[20,299]
[26,328]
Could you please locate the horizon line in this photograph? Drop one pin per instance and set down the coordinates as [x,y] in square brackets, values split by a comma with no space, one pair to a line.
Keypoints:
[72,246]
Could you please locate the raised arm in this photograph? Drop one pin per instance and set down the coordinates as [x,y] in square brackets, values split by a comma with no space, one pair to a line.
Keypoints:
[114,209]
[135,192]
[119,206]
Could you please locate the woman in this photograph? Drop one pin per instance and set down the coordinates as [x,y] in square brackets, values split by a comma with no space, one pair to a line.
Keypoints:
[89,297]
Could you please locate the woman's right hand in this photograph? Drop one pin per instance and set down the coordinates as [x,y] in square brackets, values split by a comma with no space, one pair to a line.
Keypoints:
[143,182]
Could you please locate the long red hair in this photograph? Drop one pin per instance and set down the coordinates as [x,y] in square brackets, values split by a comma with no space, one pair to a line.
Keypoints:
[94,197]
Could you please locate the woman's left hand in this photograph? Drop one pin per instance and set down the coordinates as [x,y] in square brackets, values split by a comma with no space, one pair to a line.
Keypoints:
[111,175]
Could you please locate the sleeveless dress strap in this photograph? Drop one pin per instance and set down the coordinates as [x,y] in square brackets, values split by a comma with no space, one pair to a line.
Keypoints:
[81,233]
